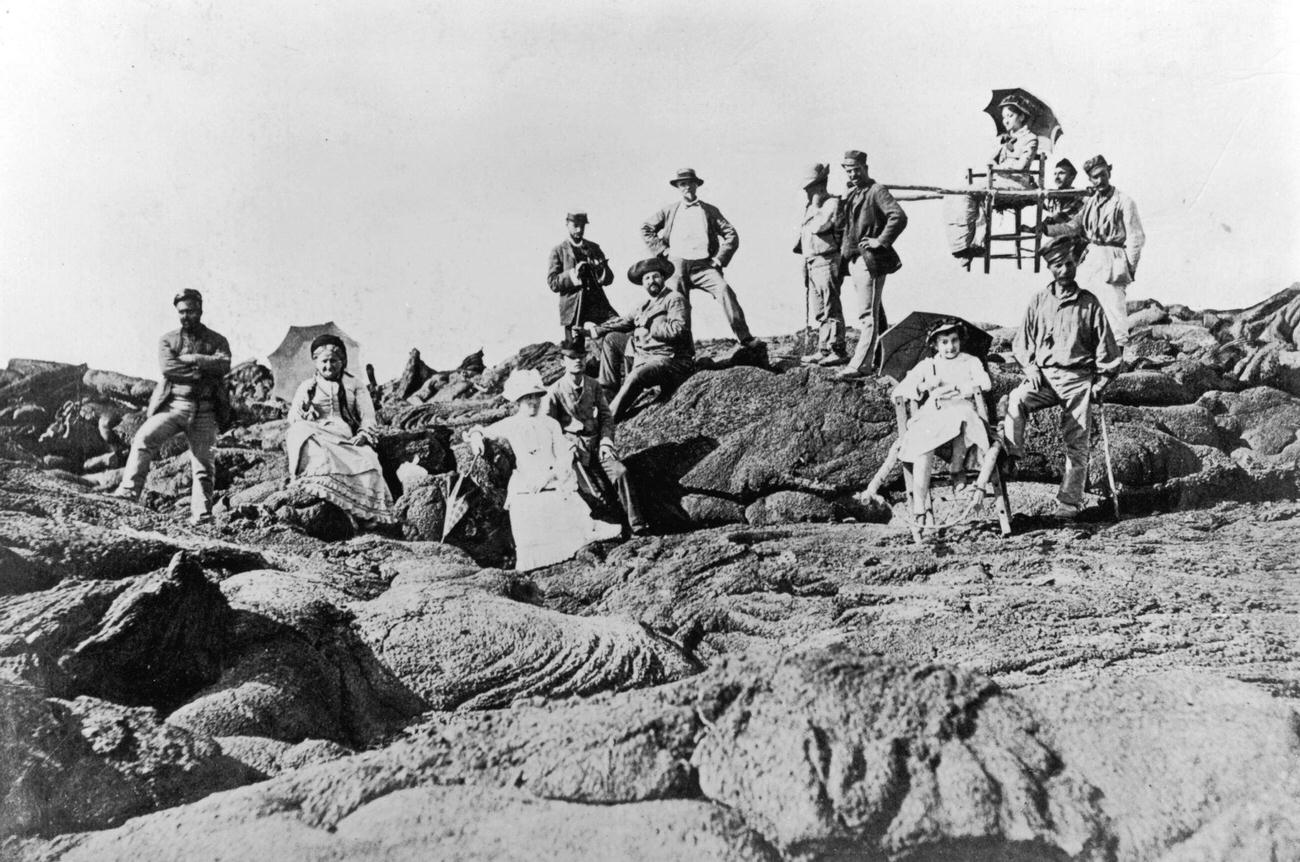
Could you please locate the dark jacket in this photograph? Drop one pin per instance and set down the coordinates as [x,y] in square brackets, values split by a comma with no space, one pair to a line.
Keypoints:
[579,303]
[872,212]
[660,328]
[723,239]
[205,382]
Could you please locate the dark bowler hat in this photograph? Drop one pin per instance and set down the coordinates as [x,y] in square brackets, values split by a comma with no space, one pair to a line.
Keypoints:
[189,294]
[1056,246]
[577,218]
[650,264]
[1097,161]
[854,157]
[948,324]
[686,175]
[574,344]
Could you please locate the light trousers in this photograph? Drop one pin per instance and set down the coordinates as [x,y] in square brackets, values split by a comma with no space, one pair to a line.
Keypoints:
[1073,391]
[198,423]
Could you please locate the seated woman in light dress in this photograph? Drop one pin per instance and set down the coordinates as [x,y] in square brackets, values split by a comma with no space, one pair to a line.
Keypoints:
[1016,149]
[550,522]
[946,383]
[331,439]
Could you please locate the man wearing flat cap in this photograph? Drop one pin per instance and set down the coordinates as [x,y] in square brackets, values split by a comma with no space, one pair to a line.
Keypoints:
[1109,221]
[1068,354]
[578,404]
[873,221]
[661,337]
[699,242]
[191,399]
[1061,210]
[578,271]
[819,240]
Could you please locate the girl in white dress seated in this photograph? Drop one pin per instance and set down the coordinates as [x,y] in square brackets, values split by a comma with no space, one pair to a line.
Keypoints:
[946,384]
[331,439]
[549,521]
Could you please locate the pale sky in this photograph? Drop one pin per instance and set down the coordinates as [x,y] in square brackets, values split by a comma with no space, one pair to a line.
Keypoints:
[403,168]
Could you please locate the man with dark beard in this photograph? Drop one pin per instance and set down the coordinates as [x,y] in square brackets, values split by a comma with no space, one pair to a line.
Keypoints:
[579,271]
[191,399]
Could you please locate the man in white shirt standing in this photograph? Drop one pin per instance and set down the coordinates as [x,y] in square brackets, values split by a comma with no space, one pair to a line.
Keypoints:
[699,242]
[1109,222]
[819,243]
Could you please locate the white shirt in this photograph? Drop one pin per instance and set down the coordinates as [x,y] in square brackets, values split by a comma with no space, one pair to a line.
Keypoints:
[689,239]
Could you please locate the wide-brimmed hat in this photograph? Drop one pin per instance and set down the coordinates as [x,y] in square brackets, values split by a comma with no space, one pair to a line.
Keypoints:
[1016,103]
[189,294]
[816,174]
[650,264]
[854,157]
[1056,246]
[522,382]
[948,324]
[577,218]
[686,175]
[1097,161]
[574,344]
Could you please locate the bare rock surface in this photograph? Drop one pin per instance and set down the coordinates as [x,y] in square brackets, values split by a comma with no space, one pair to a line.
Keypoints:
[88,764]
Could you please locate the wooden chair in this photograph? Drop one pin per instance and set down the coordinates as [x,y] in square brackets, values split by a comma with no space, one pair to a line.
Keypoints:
[904,409]
[1016,205]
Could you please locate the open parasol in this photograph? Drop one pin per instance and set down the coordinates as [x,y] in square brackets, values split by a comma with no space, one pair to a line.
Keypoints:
[903,345]
[1043,121]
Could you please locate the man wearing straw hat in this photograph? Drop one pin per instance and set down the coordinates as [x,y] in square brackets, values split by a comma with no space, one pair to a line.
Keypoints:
[819,243]
[873,221]
[579,405]
[1110,223]
[1068,354]
[661,337]
[578,271]
[699,242]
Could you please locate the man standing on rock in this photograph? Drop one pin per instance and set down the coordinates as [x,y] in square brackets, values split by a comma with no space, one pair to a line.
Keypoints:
[661,337]
[873,221]
[579,271]
[819,243]
[699,242]
[1068,354]
[1109,222]
[191,399]
[578,404]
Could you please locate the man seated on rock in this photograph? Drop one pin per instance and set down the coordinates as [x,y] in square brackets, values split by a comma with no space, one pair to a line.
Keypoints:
[190,399]
[661,337]
[579,405]
[1068,354]
[578,271]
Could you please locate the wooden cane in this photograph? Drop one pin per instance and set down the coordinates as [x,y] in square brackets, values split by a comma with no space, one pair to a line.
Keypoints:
[1105,449]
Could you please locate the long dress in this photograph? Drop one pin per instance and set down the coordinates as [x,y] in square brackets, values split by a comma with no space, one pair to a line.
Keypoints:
[323,462]
[965,215]
[550,522]
[941,419]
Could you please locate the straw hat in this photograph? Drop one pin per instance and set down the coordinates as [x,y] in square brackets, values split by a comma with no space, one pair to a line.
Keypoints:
[521,382]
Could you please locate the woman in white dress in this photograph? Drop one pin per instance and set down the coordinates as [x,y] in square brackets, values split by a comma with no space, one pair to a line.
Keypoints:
[550,522]
[1015,151]
[946,384]
[331,439]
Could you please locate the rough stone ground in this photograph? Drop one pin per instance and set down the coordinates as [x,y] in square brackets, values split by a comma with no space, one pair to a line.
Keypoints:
[768,682]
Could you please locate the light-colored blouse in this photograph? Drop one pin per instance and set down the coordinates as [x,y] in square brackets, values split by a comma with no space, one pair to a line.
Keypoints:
[963,373]
[321,404]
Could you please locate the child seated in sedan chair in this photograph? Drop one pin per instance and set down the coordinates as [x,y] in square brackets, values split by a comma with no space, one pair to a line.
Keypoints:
[947,385]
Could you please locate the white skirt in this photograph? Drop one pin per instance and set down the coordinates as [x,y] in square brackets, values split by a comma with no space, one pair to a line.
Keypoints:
[550,526]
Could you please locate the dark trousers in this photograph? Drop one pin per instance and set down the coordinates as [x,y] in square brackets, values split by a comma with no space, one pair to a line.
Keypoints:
[666,372]
[602,475]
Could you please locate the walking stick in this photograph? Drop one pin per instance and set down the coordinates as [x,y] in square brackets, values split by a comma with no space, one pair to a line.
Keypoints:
[807,336]
[1105,449]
